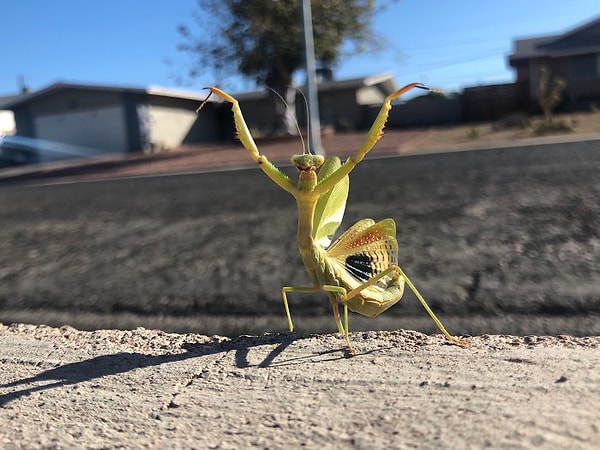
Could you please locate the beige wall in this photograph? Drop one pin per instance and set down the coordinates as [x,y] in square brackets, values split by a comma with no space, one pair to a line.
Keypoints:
[173,122]
[7,122]
[169,126]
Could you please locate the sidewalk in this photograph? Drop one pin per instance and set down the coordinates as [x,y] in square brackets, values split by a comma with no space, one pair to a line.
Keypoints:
[63,388]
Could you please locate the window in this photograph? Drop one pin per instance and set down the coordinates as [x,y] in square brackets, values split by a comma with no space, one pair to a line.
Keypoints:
[586,66]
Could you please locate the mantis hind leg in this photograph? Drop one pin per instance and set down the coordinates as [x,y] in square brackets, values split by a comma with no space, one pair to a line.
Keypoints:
[437,321]
[397,271]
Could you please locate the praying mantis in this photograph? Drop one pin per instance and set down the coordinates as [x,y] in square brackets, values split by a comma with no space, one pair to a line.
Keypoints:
[360,269]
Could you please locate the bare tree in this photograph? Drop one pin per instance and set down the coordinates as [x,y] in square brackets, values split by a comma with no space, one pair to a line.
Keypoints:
[262,40]
[549,96]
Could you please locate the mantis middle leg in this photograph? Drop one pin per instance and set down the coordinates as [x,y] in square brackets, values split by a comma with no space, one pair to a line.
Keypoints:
[334,293]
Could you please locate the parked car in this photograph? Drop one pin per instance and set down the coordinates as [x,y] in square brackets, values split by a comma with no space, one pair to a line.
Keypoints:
[18,150]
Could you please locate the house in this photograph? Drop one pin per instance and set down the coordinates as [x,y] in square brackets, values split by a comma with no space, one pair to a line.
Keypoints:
[343,104]
[573,56]
[113,119]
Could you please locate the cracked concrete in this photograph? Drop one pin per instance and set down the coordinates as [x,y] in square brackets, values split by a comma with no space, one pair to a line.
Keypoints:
[64,388]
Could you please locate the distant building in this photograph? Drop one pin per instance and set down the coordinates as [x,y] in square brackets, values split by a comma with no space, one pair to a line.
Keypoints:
[114,119]
[343,104]
[574,56]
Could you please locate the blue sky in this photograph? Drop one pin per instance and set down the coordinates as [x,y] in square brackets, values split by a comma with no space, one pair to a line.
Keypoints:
[446,44]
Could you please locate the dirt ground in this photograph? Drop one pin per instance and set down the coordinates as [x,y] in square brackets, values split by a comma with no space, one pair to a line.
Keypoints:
[503,240]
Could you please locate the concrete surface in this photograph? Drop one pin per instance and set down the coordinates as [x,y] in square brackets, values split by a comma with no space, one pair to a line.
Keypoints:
[63,388]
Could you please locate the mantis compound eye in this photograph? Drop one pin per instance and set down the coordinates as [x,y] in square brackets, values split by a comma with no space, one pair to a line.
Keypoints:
[306,161]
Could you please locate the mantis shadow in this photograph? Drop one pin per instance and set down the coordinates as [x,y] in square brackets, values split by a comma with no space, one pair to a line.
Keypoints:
[117,363]
[242,352]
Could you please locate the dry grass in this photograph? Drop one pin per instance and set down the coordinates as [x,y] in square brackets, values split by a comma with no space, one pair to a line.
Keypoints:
[478,135]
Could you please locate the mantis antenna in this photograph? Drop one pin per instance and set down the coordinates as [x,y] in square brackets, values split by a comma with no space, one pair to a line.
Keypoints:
[304,148]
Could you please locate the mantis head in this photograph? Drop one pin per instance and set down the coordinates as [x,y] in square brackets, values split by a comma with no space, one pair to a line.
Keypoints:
[307,161]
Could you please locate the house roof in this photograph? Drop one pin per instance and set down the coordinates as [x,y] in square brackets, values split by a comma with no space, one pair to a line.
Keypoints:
[5,99]
[580,40]
[62,86]
[384,80]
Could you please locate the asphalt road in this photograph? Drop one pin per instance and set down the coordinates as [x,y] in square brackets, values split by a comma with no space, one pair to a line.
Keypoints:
[499,241]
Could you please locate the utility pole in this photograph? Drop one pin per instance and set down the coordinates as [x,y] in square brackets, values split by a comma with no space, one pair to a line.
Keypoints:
[313,121]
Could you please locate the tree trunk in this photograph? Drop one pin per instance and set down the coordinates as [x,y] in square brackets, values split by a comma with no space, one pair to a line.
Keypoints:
[283,100]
